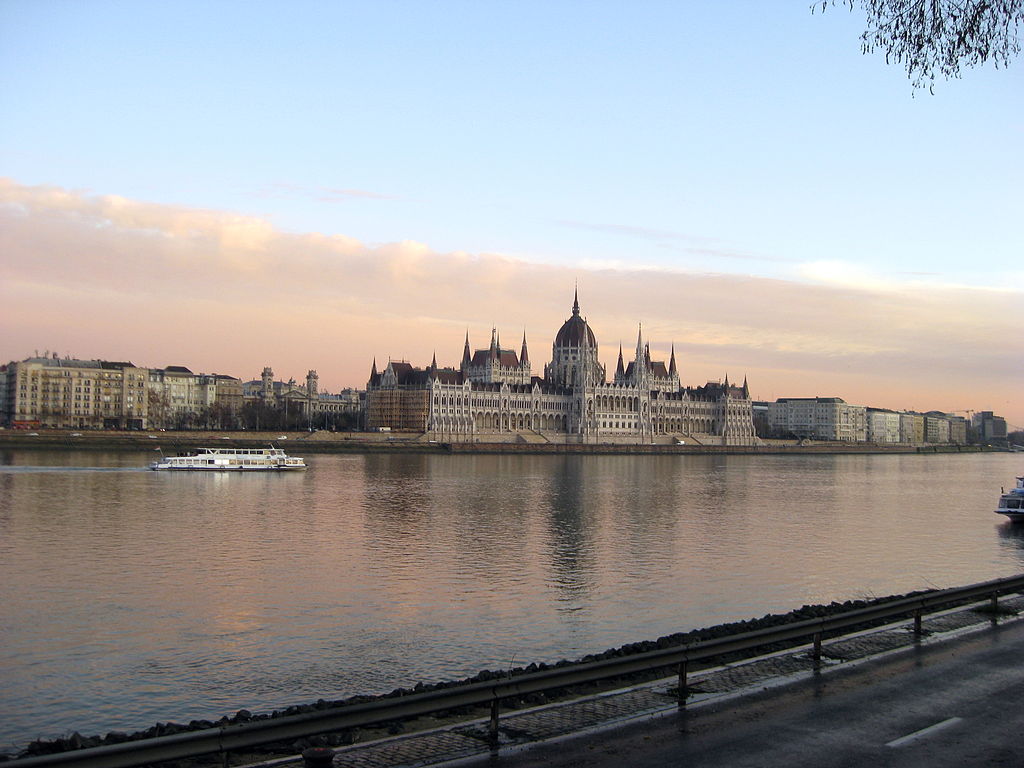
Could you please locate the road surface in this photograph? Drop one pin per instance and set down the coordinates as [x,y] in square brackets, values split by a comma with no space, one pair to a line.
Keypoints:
[959,703]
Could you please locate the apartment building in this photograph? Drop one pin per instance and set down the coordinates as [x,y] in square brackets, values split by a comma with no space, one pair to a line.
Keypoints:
[911,428]
[818,418]
[883,425]
[66,393]
[936,428]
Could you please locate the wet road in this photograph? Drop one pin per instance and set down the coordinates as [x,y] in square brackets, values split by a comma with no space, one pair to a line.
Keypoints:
[959,703]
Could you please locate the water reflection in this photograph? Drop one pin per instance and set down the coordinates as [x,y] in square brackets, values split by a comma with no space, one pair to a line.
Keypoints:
[132,596]
[570,522]
[1011,536]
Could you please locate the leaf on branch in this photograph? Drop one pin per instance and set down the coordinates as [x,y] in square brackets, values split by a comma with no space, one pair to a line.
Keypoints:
[939,36]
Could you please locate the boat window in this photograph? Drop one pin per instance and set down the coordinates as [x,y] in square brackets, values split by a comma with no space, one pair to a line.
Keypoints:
[1012,503]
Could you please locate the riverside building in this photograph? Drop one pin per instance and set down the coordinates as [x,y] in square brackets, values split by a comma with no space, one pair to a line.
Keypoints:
[65,393]
[316,407]
[181,399]
[494,396]
[818,418]
[832,419]
[883,425]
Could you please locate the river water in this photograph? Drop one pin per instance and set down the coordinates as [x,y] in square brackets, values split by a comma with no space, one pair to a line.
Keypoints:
[129,597]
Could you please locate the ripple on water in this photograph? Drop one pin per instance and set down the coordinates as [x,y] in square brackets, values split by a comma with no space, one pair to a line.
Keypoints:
[132,596]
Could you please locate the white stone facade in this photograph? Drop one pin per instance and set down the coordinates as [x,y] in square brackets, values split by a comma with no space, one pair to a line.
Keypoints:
[818,418]
[489,397]
[883,426]
[936,429]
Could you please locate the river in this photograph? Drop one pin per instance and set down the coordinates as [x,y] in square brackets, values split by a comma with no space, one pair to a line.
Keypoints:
[129,597]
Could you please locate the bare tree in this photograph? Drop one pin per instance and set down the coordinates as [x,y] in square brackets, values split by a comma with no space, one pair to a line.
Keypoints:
[937,37]
[158,408]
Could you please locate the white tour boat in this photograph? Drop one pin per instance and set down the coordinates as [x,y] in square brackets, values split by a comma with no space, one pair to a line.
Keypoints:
[232,459]
[1012,504]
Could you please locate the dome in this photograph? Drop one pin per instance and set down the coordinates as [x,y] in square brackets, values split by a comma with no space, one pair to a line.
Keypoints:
[575,332]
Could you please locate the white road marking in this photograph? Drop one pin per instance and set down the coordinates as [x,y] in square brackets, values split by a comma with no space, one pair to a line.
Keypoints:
[924,732]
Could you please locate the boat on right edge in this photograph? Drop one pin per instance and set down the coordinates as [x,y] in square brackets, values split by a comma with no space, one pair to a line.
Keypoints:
[1012,504]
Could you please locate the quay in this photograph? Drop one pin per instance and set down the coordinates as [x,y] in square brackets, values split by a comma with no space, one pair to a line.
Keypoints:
[952,700]
[695,700]
[861,703]
[413,442]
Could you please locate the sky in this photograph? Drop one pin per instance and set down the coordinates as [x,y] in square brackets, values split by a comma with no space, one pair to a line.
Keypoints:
[315,185]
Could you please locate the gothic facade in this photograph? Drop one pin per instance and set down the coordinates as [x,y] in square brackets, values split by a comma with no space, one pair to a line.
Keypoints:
[494,395]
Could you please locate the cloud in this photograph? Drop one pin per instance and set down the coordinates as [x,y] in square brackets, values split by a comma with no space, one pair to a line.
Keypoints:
[109,277]
[845,274]
[643,233]
[702,246]
[322,194]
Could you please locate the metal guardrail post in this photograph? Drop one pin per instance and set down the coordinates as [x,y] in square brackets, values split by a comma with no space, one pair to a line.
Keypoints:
[994,600]
[816,653]
[684,688]
[241,736]
[917,624]
[492,729]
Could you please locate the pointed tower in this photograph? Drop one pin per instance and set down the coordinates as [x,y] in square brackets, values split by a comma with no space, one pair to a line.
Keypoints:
[524,363]
[466,359]
[373,370]
[620,371]
[639,363]
[494,344]
[672,362]
[433,363]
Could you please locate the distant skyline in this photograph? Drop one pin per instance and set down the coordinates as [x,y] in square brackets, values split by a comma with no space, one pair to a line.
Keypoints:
[233,185]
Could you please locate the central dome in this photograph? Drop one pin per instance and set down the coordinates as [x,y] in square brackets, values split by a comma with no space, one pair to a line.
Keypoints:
[575,332]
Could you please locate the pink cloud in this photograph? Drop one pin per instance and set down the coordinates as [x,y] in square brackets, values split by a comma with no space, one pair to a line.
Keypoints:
[103,276]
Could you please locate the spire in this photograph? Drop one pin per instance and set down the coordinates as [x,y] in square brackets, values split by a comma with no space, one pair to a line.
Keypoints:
[619,369]
[494,344]
[373,371]
[524,356]
[433,363]
[647,356]
[466,359]
[672,362]
[576,301]
[639,342]
[746,389]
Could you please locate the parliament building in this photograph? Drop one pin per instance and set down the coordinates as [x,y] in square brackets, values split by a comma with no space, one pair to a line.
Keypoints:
[493,396]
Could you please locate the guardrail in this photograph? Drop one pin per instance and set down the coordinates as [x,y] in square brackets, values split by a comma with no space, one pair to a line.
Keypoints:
[240,736]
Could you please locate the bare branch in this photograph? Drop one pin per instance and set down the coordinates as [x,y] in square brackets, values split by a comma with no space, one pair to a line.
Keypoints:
[938,37]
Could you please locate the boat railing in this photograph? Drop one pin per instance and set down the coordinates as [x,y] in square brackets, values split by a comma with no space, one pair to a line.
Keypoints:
[233,737]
